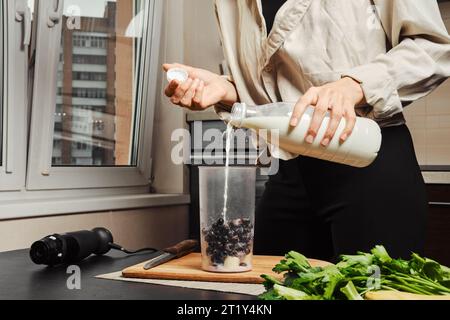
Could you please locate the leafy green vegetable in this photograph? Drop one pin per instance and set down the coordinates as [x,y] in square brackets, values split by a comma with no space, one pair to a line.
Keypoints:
[354,276]
[364,259]
[331,280]
[295,262]
[380,253]
[270,281]
[350,292]
[270,295]
[291,294]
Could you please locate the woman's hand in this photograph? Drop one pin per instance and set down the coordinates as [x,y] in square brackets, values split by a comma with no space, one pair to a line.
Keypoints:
[340,98]
[202,90]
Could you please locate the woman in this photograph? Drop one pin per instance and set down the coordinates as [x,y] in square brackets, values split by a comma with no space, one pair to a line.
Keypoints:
[349,58]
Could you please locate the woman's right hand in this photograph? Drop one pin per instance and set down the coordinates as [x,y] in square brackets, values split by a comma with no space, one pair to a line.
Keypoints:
[202,90]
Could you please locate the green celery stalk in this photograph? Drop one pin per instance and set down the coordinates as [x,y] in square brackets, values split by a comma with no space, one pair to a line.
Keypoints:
[290,294]
[350,292]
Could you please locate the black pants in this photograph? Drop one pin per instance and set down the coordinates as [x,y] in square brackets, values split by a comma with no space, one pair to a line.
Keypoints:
[322,209]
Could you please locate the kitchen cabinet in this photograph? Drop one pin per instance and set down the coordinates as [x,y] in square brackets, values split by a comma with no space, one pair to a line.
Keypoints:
[438,229]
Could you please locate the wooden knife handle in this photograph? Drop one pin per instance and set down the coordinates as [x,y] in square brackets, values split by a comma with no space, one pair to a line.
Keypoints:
[182,248]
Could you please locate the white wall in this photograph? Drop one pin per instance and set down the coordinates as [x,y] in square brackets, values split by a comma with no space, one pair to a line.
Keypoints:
[169,178]
[191,37]
[429,119]
[202,41]
[156,227]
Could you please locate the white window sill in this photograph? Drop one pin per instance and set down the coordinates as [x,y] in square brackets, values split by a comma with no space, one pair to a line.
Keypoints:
[71,205]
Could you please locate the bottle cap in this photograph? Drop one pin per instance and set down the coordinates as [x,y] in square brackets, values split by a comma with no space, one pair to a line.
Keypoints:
[238,114]
[178,74]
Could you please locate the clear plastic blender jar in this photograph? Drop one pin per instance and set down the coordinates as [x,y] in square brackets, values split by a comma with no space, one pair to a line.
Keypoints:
[227,218]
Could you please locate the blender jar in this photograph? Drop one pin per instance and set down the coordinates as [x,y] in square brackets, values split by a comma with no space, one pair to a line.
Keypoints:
[227,218]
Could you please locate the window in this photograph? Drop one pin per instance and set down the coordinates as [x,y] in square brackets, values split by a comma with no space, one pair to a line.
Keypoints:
[89,59]
[82,40]
[89,76]
[14,18]
[93,94]
[114,145]
[35,178]
[1,85]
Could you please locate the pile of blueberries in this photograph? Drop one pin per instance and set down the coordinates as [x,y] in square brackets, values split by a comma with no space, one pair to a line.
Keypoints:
[232,238]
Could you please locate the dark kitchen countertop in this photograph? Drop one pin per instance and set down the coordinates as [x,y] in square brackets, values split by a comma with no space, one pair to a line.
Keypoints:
[20,279]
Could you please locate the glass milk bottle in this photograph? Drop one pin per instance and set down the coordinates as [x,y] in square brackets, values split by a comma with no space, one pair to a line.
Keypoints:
[360,149]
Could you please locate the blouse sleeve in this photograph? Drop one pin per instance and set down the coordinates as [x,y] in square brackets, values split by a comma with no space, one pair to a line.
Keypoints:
[418,62]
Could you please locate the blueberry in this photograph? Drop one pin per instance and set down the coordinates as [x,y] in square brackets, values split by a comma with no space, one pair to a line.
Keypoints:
[218,257]
[221,231]
[242,247]
[228,238]
[234,239]
[229,247]
[247,229]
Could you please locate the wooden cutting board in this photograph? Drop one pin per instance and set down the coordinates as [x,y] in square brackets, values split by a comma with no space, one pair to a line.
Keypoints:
[188,268]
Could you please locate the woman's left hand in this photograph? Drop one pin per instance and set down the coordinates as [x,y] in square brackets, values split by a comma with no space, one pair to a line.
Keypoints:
[340,99]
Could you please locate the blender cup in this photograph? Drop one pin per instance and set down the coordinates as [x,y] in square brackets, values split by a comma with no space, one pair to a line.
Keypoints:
[227,218]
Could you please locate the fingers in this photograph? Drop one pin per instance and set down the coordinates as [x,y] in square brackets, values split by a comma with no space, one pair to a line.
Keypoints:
[335,120]
[350,121]
[167,66]
[186,101]
[198,97]
[338,98]
[170,89]
[309,98]
[181,91]
[192,92]
[320,112]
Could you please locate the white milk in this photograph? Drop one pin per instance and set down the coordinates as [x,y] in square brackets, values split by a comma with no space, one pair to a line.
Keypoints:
[229,138]
[360,149]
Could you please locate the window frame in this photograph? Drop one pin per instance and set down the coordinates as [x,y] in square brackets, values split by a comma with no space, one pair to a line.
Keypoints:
[2,75]
[15,24]
[41,175]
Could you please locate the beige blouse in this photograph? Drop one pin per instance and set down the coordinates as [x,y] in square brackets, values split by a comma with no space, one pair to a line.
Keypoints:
[398,49]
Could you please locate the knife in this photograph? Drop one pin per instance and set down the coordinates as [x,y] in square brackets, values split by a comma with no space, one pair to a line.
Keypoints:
[177,251]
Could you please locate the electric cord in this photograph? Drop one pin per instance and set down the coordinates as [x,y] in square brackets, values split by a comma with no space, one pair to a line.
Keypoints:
[120,248]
